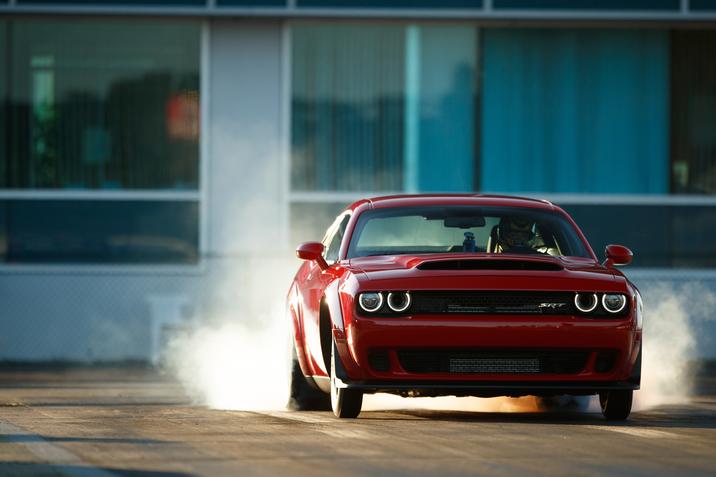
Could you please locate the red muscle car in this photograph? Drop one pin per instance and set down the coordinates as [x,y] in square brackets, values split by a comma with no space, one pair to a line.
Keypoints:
[463,295]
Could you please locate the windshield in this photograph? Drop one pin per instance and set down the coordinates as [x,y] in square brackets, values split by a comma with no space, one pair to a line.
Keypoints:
[464,229]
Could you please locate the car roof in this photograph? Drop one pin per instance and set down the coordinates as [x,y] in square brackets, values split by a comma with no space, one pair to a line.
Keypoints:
[407,200]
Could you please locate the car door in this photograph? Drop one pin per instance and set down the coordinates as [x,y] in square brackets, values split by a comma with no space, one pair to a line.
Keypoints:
[313,289]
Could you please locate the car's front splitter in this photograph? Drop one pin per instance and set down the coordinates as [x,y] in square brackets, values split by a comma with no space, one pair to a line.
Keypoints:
[489,389]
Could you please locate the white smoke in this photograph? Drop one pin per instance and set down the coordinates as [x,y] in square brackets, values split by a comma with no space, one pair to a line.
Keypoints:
[230,366]
[673,320]
[233,362]
[237,352]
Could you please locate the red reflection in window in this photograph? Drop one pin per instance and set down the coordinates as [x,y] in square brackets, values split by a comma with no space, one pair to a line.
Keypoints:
[183,115]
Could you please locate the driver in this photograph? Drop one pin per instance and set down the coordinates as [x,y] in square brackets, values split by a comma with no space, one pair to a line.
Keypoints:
[515,235]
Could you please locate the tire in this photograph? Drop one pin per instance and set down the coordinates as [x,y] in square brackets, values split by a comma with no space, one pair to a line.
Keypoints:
[346,403]
[616,405]
[304,396]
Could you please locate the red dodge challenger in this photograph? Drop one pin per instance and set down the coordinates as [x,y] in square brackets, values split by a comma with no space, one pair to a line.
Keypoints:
[462,295]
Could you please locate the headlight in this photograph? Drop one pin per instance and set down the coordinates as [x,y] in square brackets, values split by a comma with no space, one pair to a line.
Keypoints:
[398,301]
[613,302]
[370,301]
[586,302]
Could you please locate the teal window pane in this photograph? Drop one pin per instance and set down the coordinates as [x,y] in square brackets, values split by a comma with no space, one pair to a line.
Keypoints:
[447,91]
[659,236]
[383,107]
[575,111]
[589,4]
[3,102]
[702,5]
[99,232]
[103,104]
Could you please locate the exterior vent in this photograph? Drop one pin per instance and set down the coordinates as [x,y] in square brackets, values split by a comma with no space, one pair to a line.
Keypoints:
[490,265]
[424,361]
[492,302]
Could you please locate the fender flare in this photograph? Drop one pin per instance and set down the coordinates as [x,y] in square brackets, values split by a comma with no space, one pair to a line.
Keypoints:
[333,301]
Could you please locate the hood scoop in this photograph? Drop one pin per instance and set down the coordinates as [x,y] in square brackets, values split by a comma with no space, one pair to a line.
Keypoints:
[482,264]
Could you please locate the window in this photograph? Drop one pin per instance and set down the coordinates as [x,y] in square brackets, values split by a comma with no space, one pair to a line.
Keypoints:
[375,107]
[464,229]
[693,116]
[333,247]
[102,105]
[3,99]
[92,106]
[659,235]
[564,109]
[90,232]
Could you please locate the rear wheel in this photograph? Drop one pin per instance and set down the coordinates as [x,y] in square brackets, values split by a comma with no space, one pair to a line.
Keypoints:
[346,403]
[304,396]
[616,405]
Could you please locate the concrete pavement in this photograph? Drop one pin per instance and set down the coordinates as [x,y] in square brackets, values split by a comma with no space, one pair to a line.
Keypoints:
[128,422]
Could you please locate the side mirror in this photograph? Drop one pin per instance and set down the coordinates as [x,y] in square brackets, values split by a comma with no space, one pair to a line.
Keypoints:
[617,255]
[312,251]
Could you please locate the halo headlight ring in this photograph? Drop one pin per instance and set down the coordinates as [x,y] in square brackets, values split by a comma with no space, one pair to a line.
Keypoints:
[591,305]
[622,302]
[405,301]
[365,299]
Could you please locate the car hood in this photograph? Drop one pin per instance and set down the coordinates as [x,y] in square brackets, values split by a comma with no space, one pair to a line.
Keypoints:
[485,271]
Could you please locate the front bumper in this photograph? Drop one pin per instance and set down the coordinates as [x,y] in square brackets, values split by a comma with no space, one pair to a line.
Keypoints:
[544,333]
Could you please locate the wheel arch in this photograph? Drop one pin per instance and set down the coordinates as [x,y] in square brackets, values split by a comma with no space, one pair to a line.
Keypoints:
[330,318]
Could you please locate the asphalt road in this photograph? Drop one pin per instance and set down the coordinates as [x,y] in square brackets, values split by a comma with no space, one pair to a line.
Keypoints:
[131,422]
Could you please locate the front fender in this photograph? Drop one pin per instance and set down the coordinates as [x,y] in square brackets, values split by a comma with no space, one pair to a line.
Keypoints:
[334,307]
[335,303]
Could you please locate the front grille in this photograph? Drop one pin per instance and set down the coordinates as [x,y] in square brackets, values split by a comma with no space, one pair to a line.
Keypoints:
[492,302]
[492,362]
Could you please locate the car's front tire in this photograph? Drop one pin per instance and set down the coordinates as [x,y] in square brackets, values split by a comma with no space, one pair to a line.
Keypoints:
[346,403]
[616,405]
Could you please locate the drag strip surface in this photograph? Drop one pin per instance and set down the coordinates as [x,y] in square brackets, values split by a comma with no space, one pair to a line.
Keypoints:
[130,423]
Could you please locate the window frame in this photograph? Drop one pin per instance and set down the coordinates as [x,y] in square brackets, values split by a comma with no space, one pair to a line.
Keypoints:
[200,196]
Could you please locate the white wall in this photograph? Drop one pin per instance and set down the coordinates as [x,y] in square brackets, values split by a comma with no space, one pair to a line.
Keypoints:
[246,173]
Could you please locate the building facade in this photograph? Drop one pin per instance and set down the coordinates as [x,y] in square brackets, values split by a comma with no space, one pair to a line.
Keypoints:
[158,156]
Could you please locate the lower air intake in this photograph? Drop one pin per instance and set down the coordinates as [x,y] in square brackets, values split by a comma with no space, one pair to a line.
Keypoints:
[495,365]
[492,362]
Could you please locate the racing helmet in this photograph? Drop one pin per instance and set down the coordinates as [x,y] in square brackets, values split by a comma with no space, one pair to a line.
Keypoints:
[515,232]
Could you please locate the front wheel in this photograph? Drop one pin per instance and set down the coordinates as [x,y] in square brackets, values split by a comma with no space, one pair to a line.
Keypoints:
[616,405]
[346,403]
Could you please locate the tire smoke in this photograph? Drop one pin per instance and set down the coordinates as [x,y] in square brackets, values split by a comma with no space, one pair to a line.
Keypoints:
[230,366]
[236,353]
[241,360]
[673,321]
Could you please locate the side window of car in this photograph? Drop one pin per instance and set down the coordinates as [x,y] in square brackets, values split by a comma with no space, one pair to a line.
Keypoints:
[334,245]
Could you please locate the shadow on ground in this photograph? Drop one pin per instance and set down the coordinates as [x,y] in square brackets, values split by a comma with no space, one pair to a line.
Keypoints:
[25,468]
[94,440]
[662,416]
